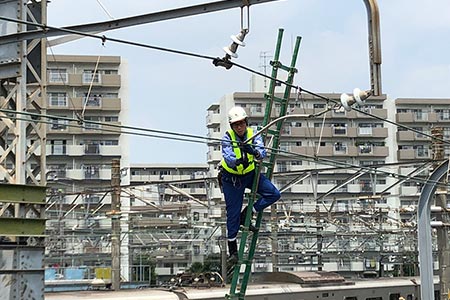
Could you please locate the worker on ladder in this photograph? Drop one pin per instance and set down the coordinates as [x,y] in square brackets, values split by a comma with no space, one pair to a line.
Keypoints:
[238,172]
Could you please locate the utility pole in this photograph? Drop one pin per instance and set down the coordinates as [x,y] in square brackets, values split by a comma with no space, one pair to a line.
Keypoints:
[223,244]
[441,201]
[319,236]
[115,224]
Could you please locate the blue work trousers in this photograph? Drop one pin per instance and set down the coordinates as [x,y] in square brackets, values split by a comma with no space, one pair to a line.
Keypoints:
[233,189]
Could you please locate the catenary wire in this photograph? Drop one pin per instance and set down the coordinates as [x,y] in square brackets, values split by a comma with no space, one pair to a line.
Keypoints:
[278,151]
[104,38]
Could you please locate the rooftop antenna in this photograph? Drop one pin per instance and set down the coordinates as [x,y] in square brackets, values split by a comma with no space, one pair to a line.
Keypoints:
[263,56]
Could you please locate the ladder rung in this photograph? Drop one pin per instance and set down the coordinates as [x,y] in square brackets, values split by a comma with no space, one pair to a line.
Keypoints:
[267,164]
[278,64]
[275,99]
[272,132]
[279,100]
[288,69]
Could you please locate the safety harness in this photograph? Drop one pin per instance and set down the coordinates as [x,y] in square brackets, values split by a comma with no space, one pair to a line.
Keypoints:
[239,169]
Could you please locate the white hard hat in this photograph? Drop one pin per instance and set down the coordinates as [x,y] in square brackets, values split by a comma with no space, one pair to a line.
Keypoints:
[236,114]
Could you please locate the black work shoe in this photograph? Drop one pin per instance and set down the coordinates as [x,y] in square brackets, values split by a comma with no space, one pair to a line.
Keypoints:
[242,220]
[252,228]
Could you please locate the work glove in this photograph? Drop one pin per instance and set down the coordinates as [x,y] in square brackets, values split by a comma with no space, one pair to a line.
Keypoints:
[250,149]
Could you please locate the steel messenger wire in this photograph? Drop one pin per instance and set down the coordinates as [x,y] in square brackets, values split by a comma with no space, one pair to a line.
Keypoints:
[299,89]
[206,140]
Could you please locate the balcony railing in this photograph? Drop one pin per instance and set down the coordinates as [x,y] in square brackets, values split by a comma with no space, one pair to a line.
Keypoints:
[92,149]
[339,130]
[90,77]
[93,101]
[55,77]
[59,149]
[91,173]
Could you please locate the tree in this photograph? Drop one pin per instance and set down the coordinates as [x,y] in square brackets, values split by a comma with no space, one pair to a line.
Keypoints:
[196,268]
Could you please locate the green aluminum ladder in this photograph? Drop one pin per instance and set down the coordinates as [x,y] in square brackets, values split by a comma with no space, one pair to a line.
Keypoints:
[247,237]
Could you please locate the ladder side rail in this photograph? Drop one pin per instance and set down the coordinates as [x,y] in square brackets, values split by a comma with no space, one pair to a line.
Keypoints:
[283,111]
[275,143]
[266,120]
[251,254]
[271,93]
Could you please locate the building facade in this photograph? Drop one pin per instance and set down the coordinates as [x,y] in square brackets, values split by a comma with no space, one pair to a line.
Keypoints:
[172,219]
[87,102]
[342,203]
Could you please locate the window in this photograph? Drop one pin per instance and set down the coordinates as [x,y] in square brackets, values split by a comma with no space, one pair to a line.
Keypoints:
[317,105]
[92,199]
[420,115]
[321,144]
[282,166]
[92,148]
[93,100]
[339,128]
[110,95]
[296,163]
[420,135]
[58,124]
[394,296]
[421,151]
[56,171]
[284,146]
[365,128]
[443,114]
[89,76]
[286,129]
[91,172]
[108,72]
[58,147]
[57,75]
[196,216]
[196,249]
[111,119]
[340,148]
[111,143]
[57,99]
[255,108]
[366,185]
[366,163]
[88,125]
[365,148]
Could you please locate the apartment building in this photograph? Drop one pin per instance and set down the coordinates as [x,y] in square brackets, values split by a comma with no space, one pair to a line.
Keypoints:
[422,115]
[328,209]
[173,220]
[79,155]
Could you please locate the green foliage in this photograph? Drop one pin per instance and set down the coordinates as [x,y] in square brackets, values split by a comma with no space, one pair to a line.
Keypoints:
[196,268]
[211,264]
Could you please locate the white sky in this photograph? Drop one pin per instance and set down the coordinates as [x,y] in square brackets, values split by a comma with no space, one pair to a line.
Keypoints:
[172,92]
